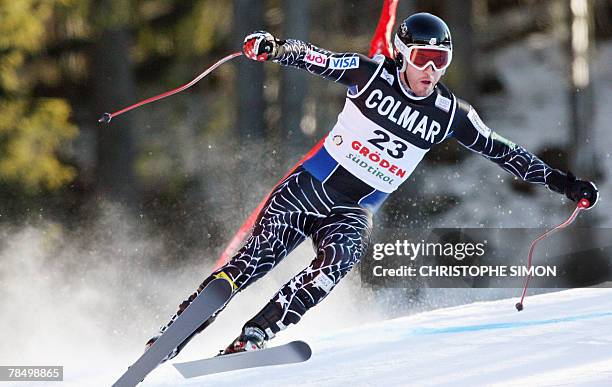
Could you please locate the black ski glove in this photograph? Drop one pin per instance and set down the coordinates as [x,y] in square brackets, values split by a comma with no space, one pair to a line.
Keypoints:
[260,46]
[576,189]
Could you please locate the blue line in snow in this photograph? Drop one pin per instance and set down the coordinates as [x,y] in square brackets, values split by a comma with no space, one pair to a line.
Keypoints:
[507,325]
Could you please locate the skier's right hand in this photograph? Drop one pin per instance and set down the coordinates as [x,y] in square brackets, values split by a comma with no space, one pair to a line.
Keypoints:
[260,46]
[577,189]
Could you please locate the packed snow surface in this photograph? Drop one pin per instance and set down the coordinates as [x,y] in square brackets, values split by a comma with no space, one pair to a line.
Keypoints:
[562,338]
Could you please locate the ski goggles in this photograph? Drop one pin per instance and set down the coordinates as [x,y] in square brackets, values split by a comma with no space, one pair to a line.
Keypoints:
[422,56]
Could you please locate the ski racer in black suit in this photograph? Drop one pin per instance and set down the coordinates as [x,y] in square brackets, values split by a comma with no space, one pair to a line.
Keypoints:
[395,111]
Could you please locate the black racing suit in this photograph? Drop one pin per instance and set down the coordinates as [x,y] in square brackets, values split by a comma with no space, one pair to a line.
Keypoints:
[381,135]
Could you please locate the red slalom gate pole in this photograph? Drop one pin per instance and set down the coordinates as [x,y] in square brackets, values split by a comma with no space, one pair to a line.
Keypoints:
[582,204]
[107,117]
[379,45]
[381,40]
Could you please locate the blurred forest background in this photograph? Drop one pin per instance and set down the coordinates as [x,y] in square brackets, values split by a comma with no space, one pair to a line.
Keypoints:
[190,168]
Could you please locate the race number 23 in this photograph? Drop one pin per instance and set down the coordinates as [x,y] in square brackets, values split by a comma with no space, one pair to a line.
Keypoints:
[396,151]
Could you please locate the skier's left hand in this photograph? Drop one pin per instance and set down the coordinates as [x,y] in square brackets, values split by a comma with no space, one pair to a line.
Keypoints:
[260,46]
[577,189]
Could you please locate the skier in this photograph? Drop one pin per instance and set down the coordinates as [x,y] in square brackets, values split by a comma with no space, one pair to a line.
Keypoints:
[395,111]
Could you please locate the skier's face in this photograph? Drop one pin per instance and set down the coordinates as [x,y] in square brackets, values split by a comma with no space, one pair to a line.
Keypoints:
[422,82]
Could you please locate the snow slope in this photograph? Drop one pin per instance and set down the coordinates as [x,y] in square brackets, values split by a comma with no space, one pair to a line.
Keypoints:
[562,338]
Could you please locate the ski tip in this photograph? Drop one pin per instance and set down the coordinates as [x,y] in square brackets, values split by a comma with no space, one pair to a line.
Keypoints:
[221,284]
[304,349]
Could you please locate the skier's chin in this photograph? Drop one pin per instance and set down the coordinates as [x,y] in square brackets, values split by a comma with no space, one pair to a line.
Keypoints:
[424,88]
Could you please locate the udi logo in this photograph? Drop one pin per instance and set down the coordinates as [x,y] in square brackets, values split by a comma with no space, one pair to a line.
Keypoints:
[351,62]
[316,58]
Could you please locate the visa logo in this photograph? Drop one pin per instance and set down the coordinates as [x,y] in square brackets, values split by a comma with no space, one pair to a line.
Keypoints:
[351,62]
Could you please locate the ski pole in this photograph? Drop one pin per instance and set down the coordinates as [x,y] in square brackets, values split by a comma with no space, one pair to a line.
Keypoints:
[582,204]
[106,117]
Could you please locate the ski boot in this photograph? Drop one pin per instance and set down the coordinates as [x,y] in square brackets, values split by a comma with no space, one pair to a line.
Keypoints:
[251,339]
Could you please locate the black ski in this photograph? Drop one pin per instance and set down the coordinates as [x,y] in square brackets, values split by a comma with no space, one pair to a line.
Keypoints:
[210,300]
[293,352]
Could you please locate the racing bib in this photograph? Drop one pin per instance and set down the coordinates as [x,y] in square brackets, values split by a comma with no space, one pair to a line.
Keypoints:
[370,152]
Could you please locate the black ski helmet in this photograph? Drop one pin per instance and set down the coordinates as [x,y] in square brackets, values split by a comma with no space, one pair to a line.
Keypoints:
[421,29]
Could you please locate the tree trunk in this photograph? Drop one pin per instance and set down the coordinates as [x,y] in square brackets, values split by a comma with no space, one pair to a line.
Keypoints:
[458,16]
[294,83]
[581,92]
[250,125]
[113,88]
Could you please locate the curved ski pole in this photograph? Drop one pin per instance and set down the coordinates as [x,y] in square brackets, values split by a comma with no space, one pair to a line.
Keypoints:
[107,117]
[582,204]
